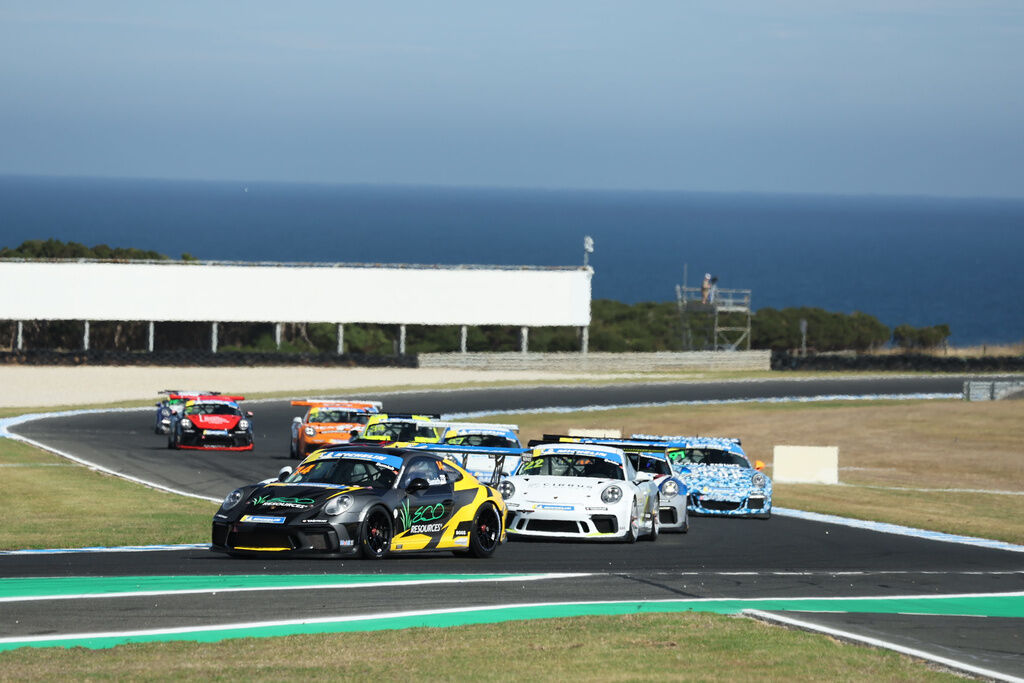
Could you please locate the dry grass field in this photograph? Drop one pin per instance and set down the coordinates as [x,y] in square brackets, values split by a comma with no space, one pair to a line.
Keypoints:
[920,463]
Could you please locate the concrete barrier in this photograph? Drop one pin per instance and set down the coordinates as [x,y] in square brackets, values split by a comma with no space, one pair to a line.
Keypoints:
[659,361]
[806,465]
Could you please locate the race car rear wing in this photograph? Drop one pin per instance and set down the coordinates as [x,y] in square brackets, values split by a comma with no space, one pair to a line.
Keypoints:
[629,445]
[348,404]
[495,427]
[464,455]
[677,439]
[408,417]
[207,397]
[188,392]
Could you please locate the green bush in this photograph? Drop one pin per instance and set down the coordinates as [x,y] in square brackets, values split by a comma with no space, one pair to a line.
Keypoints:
[912,338]
[55,249]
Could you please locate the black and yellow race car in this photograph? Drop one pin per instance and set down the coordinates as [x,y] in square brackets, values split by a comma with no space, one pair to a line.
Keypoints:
[365,500]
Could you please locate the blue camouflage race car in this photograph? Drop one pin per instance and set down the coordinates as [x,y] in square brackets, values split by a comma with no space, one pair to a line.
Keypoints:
[718,475]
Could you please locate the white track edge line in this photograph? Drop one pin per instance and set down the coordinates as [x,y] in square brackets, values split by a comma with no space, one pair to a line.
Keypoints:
[884,644]
[371,617]
[304,587]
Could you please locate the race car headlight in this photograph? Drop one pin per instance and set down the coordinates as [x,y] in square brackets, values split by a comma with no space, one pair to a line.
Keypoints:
[670,488]
[335,506]
[310,431]
[759,480]
[186,423]
[243,425]
[506,489]
[611,494]
[233,499]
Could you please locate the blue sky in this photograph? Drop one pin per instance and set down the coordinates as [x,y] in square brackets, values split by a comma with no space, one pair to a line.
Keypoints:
[893,97]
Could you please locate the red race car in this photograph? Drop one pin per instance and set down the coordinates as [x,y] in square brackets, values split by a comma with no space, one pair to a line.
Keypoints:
[211,422]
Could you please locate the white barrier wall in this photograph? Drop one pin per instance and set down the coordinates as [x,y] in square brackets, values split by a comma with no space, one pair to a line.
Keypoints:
[175,291]
[806,464]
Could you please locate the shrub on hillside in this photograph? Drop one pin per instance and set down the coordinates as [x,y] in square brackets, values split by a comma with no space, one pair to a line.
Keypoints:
[913,338]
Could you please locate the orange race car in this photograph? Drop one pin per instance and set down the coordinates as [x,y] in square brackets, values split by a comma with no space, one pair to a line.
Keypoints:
[329,422]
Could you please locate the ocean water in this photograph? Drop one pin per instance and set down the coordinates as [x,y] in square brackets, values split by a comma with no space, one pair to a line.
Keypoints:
[922,261]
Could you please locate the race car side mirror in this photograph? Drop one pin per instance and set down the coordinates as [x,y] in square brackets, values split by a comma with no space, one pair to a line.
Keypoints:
[417,484]
[297,421]
[641,477]
[248,413]
[284,473]
[758,465]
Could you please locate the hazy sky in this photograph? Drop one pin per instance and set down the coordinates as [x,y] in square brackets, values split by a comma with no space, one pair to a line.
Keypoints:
[892,97]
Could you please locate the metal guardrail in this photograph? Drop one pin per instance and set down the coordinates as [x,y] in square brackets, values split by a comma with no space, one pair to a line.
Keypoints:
[991,390]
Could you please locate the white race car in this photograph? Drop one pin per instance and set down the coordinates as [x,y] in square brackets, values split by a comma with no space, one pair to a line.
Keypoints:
[580,491]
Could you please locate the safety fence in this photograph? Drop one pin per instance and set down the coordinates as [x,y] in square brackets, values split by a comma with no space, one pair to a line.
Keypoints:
[993,390]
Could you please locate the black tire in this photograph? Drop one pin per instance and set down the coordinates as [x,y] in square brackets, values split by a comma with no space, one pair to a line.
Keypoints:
[293,453]
[375,534]
[686,522]
[655,522]
[485,535]
[170,440]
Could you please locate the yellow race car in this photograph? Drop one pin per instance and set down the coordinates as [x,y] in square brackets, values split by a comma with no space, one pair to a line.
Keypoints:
[363,500]
[386,429]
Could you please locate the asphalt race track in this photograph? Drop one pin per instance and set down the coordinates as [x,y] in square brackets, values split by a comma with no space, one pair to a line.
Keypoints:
[785,557]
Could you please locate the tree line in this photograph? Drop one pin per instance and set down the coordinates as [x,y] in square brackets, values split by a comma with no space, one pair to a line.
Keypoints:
[615,326]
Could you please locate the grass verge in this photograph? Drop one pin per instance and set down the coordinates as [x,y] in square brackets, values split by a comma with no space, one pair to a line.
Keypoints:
[79,507]
[617,648]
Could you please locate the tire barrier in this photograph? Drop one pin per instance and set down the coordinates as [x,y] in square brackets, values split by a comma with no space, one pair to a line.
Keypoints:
[903,362]
[203,358]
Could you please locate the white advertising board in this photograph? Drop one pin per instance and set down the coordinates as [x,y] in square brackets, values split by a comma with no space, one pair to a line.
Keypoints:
[806,464]
[412,295]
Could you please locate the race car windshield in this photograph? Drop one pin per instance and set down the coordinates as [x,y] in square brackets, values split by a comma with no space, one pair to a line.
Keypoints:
[211,409]
[336,416]
[707,456]
[489,440]
[399,431]
[571,466]
[645,463]
[344,472]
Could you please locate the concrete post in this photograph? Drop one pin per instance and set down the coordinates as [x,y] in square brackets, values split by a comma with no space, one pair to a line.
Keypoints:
[21,336]
[524,339]
[462,339]
[585,341]
[277,335]
[213,338]
[85,336]
[401,340]
[152,335]
[341,339]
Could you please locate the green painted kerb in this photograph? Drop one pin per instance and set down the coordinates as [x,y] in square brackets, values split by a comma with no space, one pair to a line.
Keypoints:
[994,606]
[112,585]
